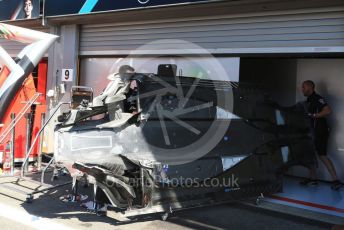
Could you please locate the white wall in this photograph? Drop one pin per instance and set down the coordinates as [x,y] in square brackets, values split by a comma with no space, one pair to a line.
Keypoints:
[95,70]
[328,75]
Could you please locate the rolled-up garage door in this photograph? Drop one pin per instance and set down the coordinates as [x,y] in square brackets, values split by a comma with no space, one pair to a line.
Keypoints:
[288,32]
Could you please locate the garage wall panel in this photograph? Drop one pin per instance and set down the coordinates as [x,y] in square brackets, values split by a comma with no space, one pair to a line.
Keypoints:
[218,34]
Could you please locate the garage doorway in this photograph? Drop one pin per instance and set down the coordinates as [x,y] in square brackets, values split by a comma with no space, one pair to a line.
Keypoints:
[281,79]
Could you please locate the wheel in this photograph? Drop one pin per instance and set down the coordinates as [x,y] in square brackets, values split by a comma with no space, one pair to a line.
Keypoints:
[29,199]
[164,216]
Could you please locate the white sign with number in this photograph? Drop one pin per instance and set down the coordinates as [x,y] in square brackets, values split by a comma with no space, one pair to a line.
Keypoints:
[67,74]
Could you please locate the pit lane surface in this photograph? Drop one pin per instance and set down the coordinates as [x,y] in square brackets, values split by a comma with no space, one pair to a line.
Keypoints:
[48,210]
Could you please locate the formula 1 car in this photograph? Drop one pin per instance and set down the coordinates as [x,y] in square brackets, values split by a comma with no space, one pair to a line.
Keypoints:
[160,142]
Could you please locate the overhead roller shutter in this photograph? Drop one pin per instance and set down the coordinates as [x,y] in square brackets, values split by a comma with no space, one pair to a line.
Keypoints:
[219,35]
[13,47]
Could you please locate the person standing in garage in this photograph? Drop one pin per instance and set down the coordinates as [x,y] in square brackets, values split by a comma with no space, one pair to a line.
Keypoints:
[318,110]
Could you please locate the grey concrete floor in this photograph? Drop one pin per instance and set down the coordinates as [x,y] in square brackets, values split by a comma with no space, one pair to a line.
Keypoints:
[48,207]
[6,224]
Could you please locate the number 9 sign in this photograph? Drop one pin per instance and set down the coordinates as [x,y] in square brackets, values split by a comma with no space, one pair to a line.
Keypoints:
[67,74]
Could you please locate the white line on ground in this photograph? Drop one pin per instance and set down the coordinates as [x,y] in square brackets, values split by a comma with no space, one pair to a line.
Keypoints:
[27,219]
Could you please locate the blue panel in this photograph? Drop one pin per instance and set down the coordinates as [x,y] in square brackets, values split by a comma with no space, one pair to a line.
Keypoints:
[66,7]
[88,6]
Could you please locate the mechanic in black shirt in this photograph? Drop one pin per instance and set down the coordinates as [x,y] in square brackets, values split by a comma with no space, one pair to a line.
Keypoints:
[318,110]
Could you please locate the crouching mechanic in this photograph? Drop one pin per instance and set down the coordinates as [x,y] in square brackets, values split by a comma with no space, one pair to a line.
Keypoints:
[318,110]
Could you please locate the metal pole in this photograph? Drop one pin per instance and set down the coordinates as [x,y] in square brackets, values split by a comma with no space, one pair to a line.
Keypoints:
[13,137]
[45,169]
[22,173]
[39,162]
[28,131]
[142,187]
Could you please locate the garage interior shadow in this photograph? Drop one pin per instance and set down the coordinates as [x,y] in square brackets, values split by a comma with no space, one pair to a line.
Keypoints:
[277,76]
[282,77]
